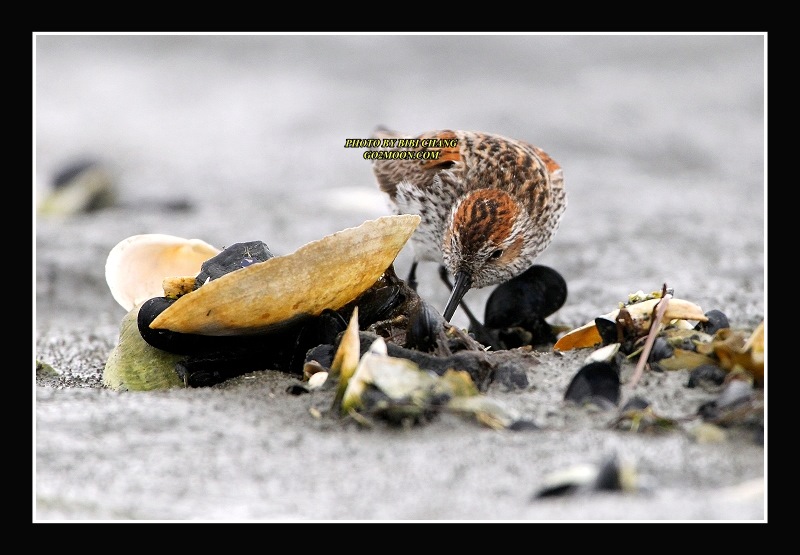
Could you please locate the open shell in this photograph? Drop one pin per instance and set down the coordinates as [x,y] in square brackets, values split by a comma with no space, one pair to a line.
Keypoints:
[137,266]
[324,274]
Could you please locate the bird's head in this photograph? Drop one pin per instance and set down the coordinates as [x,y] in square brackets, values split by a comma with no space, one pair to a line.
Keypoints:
[488,239]
[488,236]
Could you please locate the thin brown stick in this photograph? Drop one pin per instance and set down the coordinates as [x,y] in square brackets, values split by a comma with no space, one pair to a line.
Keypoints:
[655,325]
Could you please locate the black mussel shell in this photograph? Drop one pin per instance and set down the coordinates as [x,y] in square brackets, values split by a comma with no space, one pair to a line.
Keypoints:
[297,389]
[322,330]
[620,330]
[537,332]
[523,426]
[213,359]
[595,383]
[509,338]
[562,488]
[609,475]
[378,303]
[607,328]
[323,354]
[533,295]
[717,320]
[234,257]
[661,349]
[424,327]
[706,374]
[189,343]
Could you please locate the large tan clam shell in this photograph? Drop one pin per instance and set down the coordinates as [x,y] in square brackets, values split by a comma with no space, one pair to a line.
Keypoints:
[327,273]
[136,266]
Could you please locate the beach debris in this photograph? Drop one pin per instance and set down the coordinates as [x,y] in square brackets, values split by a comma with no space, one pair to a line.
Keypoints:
[638,416]
[398,391]
[82,186]
[596,383]
[135,365]
[517,309]
[279,318]
[632,321]
[612,474]
[324,274]
[137,266]
[667,333]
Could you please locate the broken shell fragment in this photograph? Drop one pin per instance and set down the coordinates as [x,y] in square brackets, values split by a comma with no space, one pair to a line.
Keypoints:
[734,349]
[317,380]
[586,335]
[608,354]
[324,274]
[346,360]
[178,286]
[137,266]
[392,387]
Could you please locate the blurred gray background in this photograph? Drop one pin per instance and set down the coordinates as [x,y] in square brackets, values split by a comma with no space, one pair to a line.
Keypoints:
[662,143]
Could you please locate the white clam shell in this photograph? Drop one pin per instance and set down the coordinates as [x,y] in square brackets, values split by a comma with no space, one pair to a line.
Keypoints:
[137,266]
[327,273]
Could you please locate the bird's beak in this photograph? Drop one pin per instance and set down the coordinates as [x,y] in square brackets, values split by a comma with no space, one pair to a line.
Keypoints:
[462,285]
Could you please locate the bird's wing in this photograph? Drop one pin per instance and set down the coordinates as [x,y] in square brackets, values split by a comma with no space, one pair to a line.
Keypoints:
[445,145]
[509,164]
[553,168]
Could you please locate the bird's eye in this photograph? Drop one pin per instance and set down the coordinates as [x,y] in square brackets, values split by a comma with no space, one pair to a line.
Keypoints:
[496,254]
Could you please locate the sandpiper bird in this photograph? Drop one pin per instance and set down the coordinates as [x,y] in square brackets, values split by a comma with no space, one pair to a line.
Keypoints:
[489,204]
